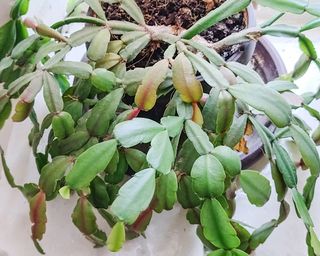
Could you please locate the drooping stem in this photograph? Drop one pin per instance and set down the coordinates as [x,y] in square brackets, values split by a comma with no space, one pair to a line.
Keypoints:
[272,20]
[79,19]
[227,9]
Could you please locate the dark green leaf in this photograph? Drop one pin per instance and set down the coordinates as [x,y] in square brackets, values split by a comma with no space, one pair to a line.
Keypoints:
[236,131]
[217,227]
[136,159]
[208,176]
[103,112]
[229,159]
[84,218]
[74,142]
[285,165]
[83,171]
[186,157]
[7,38]
[52,172]
[62,125]
[103,79]
[99,196]
[186,195]
[280,185]
[19,8]
[166,192]
[308,190]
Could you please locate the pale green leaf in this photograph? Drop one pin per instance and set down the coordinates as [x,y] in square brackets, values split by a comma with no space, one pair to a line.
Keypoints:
[134,196]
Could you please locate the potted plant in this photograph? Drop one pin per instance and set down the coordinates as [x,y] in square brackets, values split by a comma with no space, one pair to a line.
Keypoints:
[135,134]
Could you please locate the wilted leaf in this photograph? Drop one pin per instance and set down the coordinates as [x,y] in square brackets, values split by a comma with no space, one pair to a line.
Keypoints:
[38,215]
[53,172]
[256,187]
[260,235]
[84,218]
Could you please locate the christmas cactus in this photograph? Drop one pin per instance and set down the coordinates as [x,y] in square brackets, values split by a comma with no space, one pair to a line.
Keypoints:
[121,163]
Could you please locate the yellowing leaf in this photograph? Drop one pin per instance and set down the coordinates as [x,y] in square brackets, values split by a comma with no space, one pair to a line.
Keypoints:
[146,95]
[117,237]
[184,80]
[197,115]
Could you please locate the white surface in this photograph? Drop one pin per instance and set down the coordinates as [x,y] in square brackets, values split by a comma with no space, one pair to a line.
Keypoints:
[173,235]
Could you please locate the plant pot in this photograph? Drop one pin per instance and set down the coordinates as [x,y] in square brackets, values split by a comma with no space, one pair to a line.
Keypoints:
[245,51]
[268,63]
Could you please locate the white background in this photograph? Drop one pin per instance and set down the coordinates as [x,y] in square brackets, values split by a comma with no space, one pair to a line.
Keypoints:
[169,235]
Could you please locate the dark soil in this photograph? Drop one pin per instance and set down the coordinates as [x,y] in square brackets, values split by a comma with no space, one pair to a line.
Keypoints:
[180,14]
